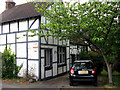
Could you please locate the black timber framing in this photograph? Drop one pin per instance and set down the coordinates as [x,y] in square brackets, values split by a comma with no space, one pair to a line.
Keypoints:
[15,47]
[27,43]
[9,27]
[6,41]
[1,28]
[18,26]
[39,49]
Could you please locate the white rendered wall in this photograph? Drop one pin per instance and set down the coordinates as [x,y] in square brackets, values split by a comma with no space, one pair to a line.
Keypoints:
[59,70]
[35,38]
[21,37]
[68,65]
[24,68]
[43,20]
[68,53]
[73,50]
[35,25]
[50,40]
[54,69]
[55,54]
[5,28]
[14,27]
[11,38]
[21,50]
[23,25]
[33,50]
[42,68]
[64,68]
[33,68]
[2,39]
[48,73]
[2,48]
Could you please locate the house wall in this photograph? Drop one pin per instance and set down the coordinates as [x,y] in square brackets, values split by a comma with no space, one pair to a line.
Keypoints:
[25,48]
[30,50]
[52,43]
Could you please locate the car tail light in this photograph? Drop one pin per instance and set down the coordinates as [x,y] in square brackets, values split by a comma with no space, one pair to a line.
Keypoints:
[72,71]
[93,71]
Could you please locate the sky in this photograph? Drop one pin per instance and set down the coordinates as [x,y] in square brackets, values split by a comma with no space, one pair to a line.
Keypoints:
[18,2]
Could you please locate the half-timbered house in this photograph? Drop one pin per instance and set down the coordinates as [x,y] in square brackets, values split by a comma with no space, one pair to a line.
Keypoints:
[44,57]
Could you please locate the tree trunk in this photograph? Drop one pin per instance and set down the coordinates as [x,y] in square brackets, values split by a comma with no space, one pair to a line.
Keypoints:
[109,71]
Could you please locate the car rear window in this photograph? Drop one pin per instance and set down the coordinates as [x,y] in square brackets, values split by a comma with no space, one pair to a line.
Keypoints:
[81,65]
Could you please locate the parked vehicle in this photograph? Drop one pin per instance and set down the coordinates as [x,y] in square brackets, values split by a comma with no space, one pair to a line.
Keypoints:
[83,70]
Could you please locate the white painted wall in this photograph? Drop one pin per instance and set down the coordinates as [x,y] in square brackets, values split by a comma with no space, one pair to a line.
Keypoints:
[11,38]
[48,73]
[59,70]
[50,40]
[43,20]
[54,69]
[68,53]
[33,50]
[21,37]
[21,50]
[35,25]
[2,39]
[64,69]
[14,27]
[55,54]
[73,50]
[33,68]
[24,68]
[23,25]
[68,65]
[2,48]
[6,28]
[42,68]
[35,38]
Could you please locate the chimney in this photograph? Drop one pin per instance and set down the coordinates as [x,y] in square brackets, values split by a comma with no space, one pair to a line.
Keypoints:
[10,4]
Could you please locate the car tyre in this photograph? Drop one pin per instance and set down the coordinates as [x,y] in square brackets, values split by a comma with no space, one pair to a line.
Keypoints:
[95,83]
[71,83]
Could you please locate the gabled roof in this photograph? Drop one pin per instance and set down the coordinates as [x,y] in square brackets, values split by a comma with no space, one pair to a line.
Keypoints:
[22,11]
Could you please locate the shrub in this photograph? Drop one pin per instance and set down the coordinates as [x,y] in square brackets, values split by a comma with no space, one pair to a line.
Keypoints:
[9,68]
[116,65]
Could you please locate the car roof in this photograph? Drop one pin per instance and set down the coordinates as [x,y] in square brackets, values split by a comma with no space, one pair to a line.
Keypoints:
[82,61]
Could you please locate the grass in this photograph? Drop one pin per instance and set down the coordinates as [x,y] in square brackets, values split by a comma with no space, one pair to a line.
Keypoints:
[116,78]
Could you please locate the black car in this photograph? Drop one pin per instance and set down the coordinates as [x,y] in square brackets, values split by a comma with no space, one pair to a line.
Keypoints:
[83,70]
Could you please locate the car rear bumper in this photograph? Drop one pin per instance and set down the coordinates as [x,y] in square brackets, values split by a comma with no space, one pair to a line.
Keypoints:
[84,78]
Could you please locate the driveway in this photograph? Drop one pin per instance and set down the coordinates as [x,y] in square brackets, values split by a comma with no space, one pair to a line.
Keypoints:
[61,83]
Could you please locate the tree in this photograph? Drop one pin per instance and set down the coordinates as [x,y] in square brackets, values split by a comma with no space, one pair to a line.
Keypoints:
[93,22]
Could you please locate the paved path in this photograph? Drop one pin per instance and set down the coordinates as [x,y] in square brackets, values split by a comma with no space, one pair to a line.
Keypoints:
[61,83]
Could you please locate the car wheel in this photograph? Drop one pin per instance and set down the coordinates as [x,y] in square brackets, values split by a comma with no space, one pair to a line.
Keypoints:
[95,83]
[71,83]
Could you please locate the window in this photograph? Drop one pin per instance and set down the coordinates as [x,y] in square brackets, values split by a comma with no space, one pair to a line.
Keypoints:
[61,55]
[48,57]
